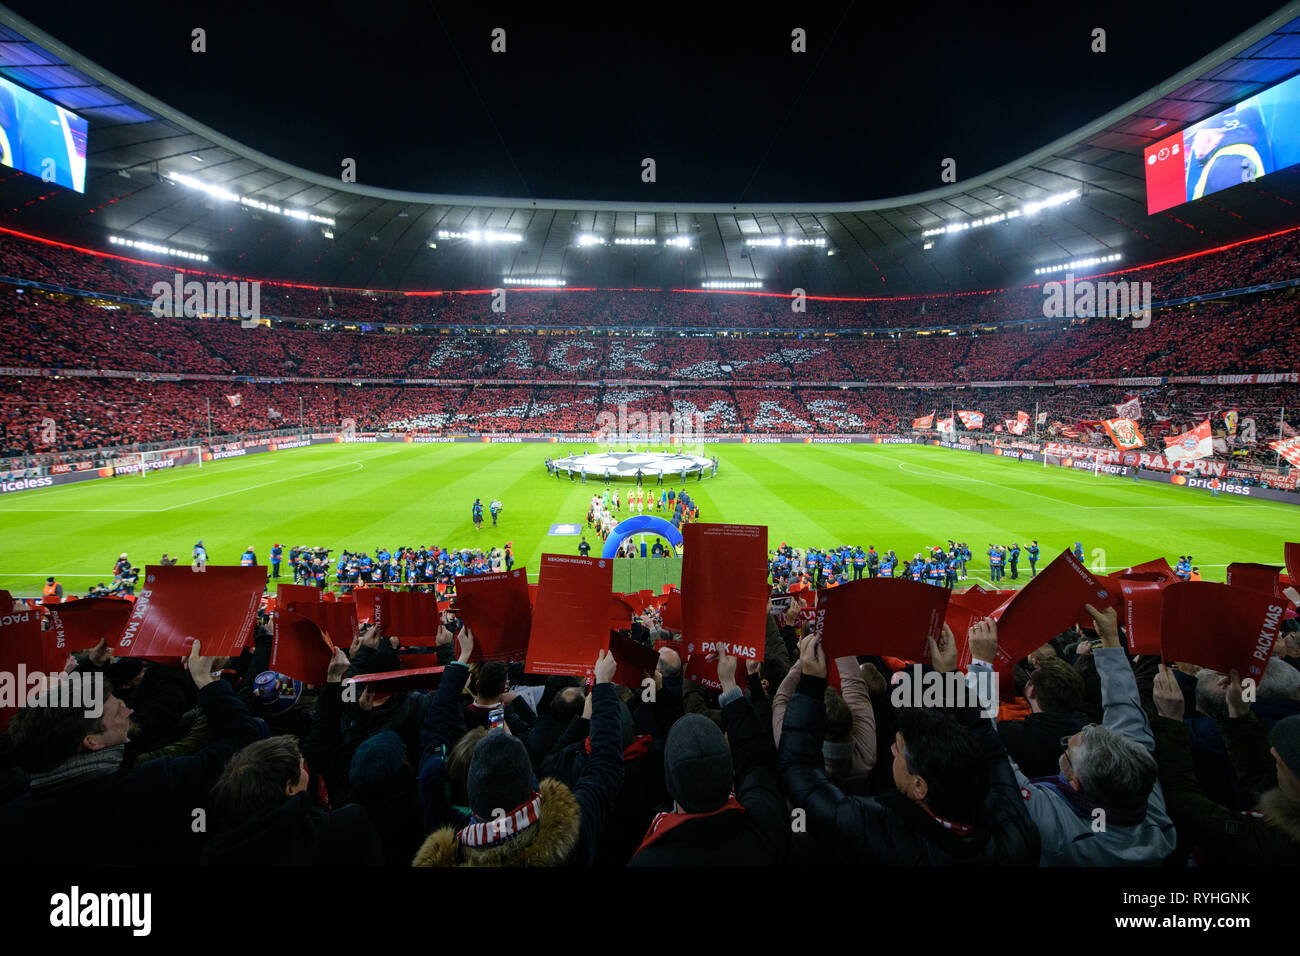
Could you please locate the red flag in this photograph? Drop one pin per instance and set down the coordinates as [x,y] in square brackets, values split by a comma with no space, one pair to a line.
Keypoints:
[892,617]
[571,625]
[1124,433]
[177,606]
[80,625]
[1220,627]
[337,621]
[1292,552]
[971,420]
[499,614]
[298,646]
[724,588]
[1255,577]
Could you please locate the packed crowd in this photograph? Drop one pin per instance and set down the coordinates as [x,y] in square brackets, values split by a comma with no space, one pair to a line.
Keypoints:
[496,766]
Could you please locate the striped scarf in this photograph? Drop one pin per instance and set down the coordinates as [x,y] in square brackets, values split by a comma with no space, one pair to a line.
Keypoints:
[79,768]
[481,834]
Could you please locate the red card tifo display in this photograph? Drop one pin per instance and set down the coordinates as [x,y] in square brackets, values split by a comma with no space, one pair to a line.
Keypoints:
[298,646]
[1157,566]
[1291,550]
[570,626]
[80,625]
[365,604]
[634,661]
[21,654]
[621,612]
[395,682]
[672,614]
[1255,577]
[406,615]
[1141,604]
[337,622]
[1220,627]
[891,617]
[177,606]
[286,594]
[724,588]
[497,609]
[1044,607]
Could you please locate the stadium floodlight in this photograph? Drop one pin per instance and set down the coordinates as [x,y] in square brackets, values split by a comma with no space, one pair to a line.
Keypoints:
[633,241]
[481,235]
[792,241]
[154,247]
[680,242]
[587,239]
[550,283]
[218,192]
[733,284]
[1029,209]
[770,241]
[928,245]
[1078,264]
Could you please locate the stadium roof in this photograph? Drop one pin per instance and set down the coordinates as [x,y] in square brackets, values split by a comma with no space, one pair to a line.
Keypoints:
[354,236]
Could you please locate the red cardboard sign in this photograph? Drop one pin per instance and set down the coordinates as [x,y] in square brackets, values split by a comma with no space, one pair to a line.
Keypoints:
[570,626]
[1044,607]
[298,646]
[724,588]
[886,616]
[1220,627]
[365,606]
[20,650]
[1255,577]
[634,660]
[286,594]
[80,625]
[496,607]
[1292,557]
[406,615]
[1157,566]
[1141,606]
[177,606]
[672,616]
[337,621]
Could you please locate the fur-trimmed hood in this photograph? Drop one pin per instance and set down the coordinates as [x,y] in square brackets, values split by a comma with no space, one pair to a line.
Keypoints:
[550,842]
[1282,812]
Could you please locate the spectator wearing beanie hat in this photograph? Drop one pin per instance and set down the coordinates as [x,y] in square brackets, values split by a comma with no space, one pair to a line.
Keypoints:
[515,820]
[712,824]
[1268,764]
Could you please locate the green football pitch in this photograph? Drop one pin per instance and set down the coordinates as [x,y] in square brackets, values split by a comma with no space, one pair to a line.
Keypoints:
[360,497]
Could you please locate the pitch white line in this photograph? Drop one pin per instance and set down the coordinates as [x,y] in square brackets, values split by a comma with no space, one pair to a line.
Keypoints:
[265,484]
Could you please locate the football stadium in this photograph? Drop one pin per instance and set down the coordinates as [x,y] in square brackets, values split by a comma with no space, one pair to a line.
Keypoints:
[497,488]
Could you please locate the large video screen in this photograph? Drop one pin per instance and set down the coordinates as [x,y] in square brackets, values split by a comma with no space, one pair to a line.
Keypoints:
[1258,136]
[42,138]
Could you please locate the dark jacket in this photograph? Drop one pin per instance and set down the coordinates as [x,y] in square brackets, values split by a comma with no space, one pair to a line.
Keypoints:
[891,829]
[571,821]
[299,832]
[134,817]
[1222,836]
[158,704]
[758,836]
[1035,742]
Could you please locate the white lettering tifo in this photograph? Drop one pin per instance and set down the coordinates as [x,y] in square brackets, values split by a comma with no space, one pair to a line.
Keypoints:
[77,909]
